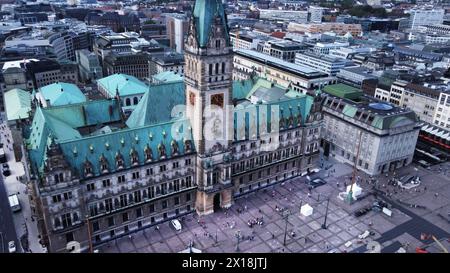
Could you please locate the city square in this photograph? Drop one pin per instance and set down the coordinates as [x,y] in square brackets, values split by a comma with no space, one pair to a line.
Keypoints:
[217,233]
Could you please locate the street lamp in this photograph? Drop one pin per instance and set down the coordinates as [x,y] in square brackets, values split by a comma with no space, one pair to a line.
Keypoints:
[191,243]
[286,217]
[324,225]
[238,237]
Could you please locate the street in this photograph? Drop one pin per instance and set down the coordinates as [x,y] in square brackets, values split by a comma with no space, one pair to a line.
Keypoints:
[26,232]
[7,228]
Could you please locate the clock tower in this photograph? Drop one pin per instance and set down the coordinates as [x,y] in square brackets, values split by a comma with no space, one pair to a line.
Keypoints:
[208,79]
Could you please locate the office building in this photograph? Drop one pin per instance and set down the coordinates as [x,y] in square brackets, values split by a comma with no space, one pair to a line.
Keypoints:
[385,135]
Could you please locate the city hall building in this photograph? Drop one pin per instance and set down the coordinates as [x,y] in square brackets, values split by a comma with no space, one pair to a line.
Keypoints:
[96,175]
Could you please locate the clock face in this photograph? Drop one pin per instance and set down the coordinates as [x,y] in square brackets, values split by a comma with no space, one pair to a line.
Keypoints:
[192,98]
[217,100]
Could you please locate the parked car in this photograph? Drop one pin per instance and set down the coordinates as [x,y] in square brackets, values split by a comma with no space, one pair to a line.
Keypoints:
[362,211]
[378,205]
[6,171]
[11,247]
[176,224]
[314,183]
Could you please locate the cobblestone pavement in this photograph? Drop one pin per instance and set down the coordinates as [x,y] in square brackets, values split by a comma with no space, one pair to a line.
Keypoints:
[218,233]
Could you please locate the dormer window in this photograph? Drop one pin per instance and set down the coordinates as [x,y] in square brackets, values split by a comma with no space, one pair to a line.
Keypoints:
[282,123]
[162,151]
[88,168]
[187,146]
[134,157]
[174,145]
[148,154]
[291,121]
[119,161]
[103,164]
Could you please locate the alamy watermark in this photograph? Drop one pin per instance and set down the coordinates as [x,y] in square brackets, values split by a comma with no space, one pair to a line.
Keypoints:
[230,123]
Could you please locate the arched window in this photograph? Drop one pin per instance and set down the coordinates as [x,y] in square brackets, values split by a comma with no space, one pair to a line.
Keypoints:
[127,102]
[223,68]
[135,100]
[61,177]
[56,178]
[218,44]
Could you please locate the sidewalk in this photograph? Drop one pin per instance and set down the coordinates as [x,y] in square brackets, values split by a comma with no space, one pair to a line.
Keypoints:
[22,219]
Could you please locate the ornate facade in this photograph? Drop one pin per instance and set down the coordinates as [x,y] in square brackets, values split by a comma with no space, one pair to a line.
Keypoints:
[96,177]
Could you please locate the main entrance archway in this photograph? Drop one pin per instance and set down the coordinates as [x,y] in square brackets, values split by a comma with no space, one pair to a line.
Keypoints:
[217,202]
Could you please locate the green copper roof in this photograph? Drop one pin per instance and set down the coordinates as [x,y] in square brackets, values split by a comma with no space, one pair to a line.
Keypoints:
[47,123]
[87,113]
[157,103]
[62,94]
[205,12]
[343,91]
[293,109]
[126,85]
[43,126]
[123,143]
[17,104]
[167,76]
[388,122]
[242,88]
[349,110]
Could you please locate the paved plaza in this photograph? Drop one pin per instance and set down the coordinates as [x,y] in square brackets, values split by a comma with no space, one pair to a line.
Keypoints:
[219,232]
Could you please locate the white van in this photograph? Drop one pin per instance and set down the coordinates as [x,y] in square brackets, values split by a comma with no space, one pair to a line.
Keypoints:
[14,203]
[176,224]
[364,235]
